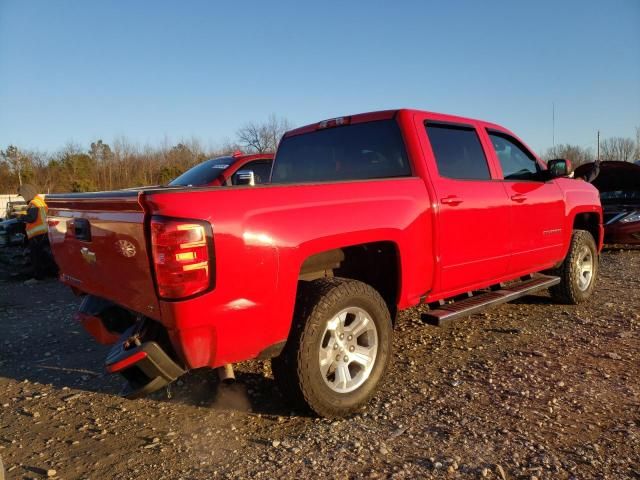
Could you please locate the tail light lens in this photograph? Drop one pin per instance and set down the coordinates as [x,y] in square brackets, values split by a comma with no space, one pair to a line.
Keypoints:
[182,257]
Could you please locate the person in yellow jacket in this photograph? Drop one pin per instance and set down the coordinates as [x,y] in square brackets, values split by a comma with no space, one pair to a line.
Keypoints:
[37,232]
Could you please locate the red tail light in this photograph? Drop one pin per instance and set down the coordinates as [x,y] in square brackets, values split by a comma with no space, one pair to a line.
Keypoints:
[182,257]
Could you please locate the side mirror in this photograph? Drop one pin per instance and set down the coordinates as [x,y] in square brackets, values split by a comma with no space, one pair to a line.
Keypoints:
[559,167]
[244,177]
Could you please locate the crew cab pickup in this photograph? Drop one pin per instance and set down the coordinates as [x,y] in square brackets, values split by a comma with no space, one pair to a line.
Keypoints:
[364,215]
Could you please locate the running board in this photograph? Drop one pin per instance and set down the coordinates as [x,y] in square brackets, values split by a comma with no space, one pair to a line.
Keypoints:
[476,303]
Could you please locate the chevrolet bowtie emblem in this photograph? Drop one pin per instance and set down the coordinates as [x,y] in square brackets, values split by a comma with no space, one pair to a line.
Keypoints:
[126,248]
[88,255]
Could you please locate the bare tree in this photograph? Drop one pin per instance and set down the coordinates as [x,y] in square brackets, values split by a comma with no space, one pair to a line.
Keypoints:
[263,137]
[618,148]
[576,154]
[16,160]
[101,154]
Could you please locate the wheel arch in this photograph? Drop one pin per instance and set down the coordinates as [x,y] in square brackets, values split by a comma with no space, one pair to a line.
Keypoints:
[591,222]
[376,263]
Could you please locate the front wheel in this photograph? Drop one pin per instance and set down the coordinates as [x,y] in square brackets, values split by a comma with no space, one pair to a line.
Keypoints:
[339,347]
[578,270]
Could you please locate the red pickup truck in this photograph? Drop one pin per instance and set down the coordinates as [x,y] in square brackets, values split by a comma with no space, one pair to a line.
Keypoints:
[364,215]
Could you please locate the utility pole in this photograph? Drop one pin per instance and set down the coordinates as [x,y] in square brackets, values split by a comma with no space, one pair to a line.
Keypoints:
[598,155]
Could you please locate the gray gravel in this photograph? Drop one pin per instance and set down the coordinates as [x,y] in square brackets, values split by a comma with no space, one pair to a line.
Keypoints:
[527,390]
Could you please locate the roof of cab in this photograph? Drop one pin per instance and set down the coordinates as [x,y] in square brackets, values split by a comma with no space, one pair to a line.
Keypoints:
[386,114]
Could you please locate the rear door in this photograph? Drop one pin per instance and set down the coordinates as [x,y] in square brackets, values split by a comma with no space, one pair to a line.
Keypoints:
[536,206]
[473,209]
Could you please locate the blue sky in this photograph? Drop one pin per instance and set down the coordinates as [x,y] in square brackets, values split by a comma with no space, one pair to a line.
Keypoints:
[78,71]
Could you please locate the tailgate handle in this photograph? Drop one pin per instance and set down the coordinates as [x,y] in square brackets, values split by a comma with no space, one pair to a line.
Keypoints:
[82,229]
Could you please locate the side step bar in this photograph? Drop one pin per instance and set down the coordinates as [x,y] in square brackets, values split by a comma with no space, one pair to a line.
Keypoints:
[482,301]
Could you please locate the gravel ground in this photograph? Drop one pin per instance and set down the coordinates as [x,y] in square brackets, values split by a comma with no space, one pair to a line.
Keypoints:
[528,390]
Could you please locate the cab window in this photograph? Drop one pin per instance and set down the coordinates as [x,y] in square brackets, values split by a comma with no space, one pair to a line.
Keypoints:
[516,161]
[261,170]
[360,151]
[458,151]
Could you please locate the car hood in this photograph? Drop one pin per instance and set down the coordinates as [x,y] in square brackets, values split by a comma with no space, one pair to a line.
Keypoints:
[6,223]
[613,176]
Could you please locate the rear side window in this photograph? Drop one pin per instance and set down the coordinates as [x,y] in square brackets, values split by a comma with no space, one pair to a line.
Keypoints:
[351,152]
[458,152]
[517,163]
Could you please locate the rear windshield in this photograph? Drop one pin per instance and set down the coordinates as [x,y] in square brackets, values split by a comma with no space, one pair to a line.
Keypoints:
[351,152]
[204,173]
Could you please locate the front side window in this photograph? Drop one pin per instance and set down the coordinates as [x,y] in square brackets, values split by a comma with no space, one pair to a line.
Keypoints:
[350,152]
[261,170]
[458,152]
[517,163]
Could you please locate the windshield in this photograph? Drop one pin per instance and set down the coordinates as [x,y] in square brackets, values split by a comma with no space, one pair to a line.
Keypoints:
[204,173]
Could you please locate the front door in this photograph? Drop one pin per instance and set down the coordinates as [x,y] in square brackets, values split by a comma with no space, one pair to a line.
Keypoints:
[537,208]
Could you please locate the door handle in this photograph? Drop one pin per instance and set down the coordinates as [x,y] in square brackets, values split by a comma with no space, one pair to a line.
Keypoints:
[451,200]
[518,197]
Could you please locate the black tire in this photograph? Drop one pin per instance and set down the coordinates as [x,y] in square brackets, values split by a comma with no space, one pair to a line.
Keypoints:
[569,290]
[297,369]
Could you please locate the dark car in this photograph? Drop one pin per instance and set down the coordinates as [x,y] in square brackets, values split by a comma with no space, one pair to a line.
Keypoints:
[12,232]
[619,186]
[231,170]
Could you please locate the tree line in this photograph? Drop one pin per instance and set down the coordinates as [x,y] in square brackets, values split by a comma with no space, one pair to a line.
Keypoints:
[123,164]
[623,149]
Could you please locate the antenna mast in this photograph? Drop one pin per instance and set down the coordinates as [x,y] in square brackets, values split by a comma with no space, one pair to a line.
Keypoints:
[553,124]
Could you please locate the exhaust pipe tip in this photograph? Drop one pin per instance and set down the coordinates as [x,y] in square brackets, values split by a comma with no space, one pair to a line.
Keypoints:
[226,374]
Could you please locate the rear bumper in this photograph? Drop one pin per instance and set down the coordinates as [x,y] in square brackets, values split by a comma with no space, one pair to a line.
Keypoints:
[146,367]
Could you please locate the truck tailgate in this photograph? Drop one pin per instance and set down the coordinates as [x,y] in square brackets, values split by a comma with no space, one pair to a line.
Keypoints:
[99,243]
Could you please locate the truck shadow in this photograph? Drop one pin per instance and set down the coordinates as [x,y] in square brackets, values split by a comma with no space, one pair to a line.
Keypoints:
[41,343]
[251,392]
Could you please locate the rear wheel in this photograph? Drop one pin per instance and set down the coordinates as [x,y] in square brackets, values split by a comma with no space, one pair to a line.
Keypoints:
[578,270]
[339,347]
